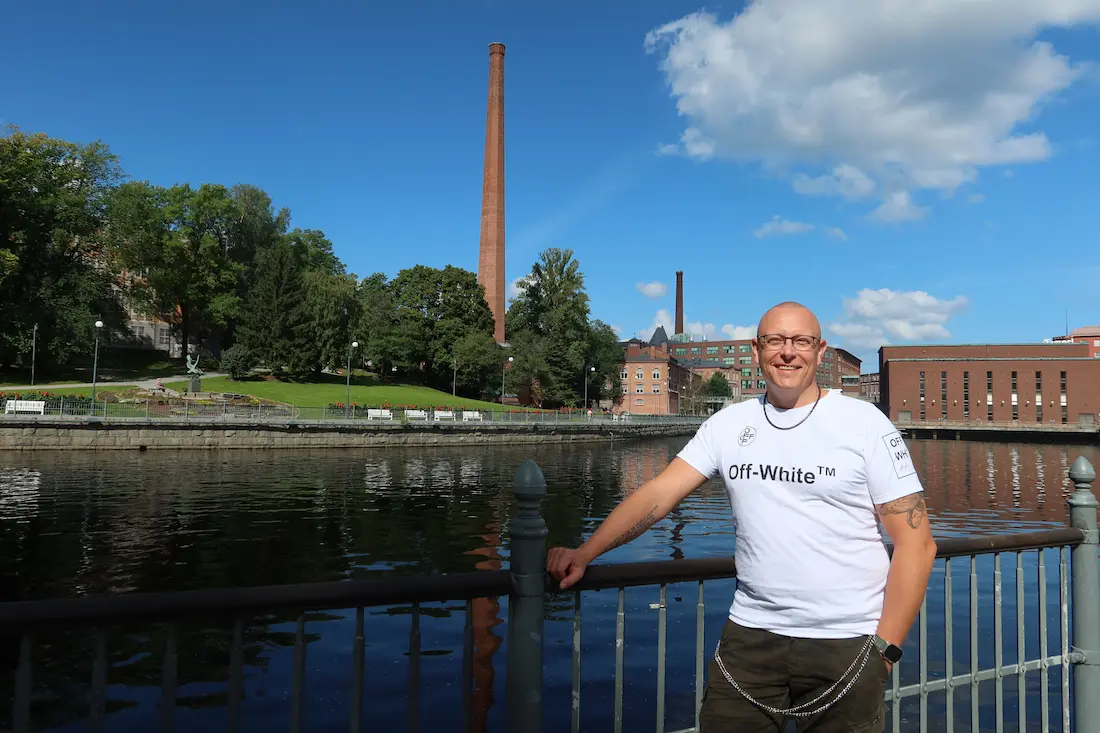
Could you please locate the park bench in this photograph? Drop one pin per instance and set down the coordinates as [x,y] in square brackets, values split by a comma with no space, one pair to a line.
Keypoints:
[468,415]
[375,414]
[441,415]
[416,414]
[16,406]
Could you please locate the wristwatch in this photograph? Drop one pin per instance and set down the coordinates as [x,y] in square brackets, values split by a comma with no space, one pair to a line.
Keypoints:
[890,652]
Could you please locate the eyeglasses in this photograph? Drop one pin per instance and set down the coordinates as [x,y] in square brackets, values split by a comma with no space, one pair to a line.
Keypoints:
[774,342]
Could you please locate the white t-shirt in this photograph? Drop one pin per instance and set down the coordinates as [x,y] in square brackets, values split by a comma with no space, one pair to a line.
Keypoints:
[810,557]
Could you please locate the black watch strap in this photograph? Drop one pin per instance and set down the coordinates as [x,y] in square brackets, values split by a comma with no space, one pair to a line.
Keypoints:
[890,652]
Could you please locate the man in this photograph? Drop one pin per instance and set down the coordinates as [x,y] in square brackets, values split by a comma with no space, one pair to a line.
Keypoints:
[820,610]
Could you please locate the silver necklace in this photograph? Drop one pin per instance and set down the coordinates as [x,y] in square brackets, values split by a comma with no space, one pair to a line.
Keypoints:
[792,427]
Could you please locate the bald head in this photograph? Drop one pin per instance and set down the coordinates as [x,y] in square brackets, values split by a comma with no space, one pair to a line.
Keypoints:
[791,317]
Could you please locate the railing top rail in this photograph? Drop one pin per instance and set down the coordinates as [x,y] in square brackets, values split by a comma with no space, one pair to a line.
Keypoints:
[21,615]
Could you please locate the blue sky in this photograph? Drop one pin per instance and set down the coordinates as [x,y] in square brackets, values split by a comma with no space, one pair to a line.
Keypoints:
[927,175]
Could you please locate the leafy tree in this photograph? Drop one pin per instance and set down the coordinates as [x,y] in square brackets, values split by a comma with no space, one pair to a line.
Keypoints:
[53,197]
[238,361]
[315,251]
[479,360]
[606,355]
[177,241]
[331,313]
[717,386]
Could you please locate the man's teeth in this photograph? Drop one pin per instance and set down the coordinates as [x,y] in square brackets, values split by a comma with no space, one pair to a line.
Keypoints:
[788,368]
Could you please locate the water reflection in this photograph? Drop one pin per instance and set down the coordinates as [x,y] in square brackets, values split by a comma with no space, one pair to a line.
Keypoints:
[73,523]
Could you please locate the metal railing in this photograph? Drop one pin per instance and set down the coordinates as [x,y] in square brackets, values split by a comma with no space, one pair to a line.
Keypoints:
[231,412]
[1073,664]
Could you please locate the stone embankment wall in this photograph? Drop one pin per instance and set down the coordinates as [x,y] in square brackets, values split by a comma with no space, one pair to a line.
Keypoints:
[90,434]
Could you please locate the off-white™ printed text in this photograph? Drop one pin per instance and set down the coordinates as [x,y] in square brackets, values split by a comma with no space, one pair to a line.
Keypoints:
[769,472]
[899,454]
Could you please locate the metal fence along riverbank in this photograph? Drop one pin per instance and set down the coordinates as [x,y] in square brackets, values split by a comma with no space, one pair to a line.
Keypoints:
[1016,619]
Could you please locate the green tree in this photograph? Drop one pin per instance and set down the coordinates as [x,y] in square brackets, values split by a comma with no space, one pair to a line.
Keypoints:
[177,241]
[717,386]
[275,323]
[607,356]
[331,312]
[53,270]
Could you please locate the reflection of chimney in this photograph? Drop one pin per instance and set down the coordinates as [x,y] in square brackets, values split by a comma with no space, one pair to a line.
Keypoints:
[490,270]
[679,301]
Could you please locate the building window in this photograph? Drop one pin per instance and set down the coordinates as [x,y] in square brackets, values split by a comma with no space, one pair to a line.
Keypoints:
[712,349]
[624,374]
[728,360]
[640,389]
[761,384]
[695,349]
[1015,399]
[639,401]
[638,373]
[1038,396]
[681,352]
[745,360]
[656,389]
[745,348]
[849,381]
[1065,407]
[943,395]
[746,384]
[656,373]
[746,372]
[966,395]
[922,417]
[729,349]
[989,396]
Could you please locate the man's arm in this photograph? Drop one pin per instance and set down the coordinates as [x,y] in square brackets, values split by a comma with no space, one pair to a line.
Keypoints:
[906,522]
[630,519]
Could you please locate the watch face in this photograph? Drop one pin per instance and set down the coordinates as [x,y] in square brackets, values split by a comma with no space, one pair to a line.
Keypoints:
[892,654]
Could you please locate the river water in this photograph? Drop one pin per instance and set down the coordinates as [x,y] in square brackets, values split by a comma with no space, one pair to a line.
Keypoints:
[79,523]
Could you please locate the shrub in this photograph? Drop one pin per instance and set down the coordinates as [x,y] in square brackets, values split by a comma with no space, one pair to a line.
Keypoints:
[237,361]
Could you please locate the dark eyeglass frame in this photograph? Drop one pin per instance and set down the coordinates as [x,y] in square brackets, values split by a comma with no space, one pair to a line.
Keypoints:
[778,341]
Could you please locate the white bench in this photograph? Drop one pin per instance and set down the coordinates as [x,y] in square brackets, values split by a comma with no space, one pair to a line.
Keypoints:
[441,415]
[374,414]
[468,415]
[12,407]
[416,414]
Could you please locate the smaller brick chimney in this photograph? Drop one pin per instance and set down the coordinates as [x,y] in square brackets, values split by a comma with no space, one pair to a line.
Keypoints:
[679,301]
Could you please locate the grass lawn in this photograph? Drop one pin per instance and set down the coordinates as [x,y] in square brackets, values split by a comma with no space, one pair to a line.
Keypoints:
[69,391]
[330,389]
[114,366]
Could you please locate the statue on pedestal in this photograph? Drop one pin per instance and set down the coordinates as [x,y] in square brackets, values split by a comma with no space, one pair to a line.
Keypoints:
[194,385]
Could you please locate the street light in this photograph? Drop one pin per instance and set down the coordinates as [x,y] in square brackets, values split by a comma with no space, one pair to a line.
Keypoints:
[454,377]
[347,398]
[95,358]
[502,370]
[591,370]
[34,345]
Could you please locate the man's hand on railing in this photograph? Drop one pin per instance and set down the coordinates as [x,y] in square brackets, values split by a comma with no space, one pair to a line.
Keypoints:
[566,565]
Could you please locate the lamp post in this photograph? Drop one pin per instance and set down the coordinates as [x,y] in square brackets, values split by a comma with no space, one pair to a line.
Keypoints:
[502,370]
[34,349]
[591,370]
[454,377]
[95,358]
[347,397]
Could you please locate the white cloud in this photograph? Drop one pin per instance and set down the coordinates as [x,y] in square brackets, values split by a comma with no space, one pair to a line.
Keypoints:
[838,233]
[898,207]
[975,198]
[782,227]
[652,290]
[668,149]
[516,287]
[663,318]
[851,98]
[617,329]
[738,332]
[873,317]
[698,329]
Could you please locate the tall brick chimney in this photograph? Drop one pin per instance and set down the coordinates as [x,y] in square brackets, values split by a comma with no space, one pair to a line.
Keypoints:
[490,269]
[679,301]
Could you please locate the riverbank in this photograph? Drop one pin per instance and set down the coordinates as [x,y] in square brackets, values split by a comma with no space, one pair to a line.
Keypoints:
[139,434]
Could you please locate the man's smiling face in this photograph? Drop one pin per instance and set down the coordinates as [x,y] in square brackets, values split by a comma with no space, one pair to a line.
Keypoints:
[788,347]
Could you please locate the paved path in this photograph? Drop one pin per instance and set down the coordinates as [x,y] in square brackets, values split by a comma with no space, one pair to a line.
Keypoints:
[142,383]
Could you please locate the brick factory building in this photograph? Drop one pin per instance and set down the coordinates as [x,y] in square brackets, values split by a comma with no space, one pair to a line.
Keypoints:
[1048,383]
[869,387]
[1088,335]
[653,383]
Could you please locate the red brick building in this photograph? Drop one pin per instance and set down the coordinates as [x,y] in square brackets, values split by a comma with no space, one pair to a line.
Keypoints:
[1055,382]
[1087,335]
[869,387]
[653,382]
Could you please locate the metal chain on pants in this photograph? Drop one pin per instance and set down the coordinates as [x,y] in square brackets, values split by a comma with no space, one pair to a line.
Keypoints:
[797,711]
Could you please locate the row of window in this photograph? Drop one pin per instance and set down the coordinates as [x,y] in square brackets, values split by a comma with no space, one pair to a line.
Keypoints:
[1015,399]
[640,374]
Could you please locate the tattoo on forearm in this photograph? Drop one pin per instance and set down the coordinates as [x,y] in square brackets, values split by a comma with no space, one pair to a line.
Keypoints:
[637,530]
[912,506]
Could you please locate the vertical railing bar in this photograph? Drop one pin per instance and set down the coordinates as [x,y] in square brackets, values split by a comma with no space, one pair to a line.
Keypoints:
[974,643]
[620,634]
[948,644]
[998,634]
[895,685]
[923,665]
[575,717]
[236,675]
[1044,674]
[99,682]
[414,669]
[21,713]
[358,658]
[699,639]
[299,675]
[168,680]
[1063,591]
[1021,654]
[661,635]
[468,668]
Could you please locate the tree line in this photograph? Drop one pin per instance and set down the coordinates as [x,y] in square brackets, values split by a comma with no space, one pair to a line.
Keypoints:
[79,242]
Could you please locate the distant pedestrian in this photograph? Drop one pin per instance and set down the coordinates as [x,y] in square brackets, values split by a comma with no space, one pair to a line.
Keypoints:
[820,610]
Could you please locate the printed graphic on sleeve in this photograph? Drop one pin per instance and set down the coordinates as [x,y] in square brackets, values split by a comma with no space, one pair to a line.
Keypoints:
[899,454]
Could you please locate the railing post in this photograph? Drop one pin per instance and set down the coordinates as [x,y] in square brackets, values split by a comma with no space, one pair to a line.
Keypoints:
[526,606]
[1086,599]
